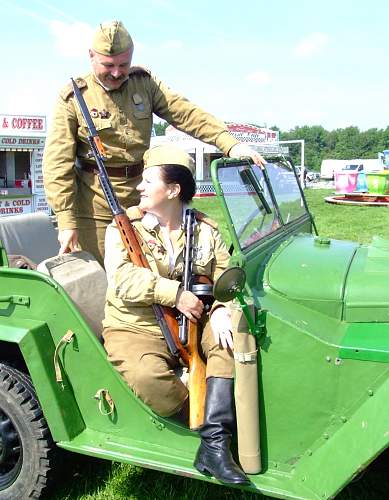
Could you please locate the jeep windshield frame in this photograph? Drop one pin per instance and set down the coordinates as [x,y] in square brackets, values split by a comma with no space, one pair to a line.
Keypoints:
[259,203]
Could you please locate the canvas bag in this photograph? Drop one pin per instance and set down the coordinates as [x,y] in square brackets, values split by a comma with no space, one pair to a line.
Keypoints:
[85,282]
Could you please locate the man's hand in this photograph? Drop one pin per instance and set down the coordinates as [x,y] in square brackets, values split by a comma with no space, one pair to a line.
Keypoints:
[68,239]
[240,150]
[190,305]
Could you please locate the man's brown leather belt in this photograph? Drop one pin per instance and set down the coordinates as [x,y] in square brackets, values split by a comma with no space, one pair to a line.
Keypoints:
[128,171]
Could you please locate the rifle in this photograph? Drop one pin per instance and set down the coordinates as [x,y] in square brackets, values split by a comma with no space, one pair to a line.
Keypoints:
[166,316]
[189,332]
[189,222]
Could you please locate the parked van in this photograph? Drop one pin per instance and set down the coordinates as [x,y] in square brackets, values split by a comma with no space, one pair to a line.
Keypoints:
[354,167]
[329,167]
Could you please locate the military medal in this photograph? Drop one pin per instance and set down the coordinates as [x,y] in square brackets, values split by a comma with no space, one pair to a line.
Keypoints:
[105,114]
[151,244]
[94,113]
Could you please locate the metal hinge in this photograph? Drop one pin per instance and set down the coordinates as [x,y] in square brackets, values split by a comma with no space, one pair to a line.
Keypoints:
[22,300]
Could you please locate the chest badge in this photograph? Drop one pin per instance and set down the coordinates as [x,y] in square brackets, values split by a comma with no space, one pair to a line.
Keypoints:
[138,101]
[105,114]
[153,244]
[94,113]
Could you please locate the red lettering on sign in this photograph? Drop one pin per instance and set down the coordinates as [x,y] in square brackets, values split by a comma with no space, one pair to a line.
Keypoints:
[27,123]
[11,210]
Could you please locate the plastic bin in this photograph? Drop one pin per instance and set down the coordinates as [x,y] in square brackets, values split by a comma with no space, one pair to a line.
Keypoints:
[378,182]
[361,183]
[345,182]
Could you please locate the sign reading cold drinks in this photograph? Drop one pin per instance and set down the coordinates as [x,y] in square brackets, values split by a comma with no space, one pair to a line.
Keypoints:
[15,206]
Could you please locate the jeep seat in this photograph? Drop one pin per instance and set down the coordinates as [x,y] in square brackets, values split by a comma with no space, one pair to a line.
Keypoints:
[32,235]
[35,237]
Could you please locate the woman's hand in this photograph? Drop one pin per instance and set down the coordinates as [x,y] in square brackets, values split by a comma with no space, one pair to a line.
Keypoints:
[190,305]
[222,327]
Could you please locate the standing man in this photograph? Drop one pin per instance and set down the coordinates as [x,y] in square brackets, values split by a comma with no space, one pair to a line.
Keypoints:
[121,99]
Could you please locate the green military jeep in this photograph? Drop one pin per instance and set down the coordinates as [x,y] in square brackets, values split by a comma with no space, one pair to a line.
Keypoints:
[317,308]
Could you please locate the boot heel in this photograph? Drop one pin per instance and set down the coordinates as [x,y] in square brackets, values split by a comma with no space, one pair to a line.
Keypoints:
[201,468]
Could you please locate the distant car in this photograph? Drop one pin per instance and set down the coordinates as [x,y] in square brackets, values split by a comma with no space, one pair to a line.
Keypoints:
[313,176]
[309,175]
[298,169]
[353,168]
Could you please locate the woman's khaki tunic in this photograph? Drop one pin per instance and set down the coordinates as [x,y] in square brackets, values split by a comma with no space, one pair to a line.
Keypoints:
[132,337]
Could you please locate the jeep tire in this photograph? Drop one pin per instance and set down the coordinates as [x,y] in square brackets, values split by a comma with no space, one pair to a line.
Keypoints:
[26,446]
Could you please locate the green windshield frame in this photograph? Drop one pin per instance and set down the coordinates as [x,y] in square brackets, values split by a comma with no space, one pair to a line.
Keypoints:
[257,203]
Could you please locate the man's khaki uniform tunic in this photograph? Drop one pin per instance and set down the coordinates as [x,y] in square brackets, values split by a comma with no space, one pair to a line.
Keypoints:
[123,119]
[132,337]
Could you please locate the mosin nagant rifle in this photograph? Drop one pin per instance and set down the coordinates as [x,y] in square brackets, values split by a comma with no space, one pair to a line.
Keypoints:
[166,316]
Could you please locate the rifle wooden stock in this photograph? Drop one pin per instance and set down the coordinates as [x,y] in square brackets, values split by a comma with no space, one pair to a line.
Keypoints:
[197,383]
[197,373]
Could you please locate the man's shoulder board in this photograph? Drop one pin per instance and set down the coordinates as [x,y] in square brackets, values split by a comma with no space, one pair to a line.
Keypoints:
[200,216]
[134,213]
[68,90]
[139,70]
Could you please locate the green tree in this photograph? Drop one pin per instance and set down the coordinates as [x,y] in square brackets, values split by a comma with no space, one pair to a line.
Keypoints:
[315,138]
[369,143]
[342,143]
[160,128]
[348,143]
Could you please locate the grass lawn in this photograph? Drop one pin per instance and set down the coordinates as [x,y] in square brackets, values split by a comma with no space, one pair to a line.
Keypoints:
[84,478]
[335,221]
[347,222]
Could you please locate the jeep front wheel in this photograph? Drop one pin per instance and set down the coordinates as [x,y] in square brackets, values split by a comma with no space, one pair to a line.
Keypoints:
[26,447]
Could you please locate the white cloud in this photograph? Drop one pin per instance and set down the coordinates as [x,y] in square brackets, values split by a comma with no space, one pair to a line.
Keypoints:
[139,45]
[259,77]
[164,4]
[72,39]
[173,44]
[47,6]
[26,12]
[311,44]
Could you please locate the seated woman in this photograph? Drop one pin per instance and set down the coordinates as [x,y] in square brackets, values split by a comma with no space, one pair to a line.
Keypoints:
[132,337]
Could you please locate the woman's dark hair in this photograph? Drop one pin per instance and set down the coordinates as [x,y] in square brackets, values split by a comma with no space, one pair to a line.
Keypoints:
[176,174]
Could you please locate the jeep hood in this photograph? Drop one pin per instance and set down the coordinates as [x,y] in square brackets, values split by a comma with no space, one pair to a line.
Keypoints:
[341,279]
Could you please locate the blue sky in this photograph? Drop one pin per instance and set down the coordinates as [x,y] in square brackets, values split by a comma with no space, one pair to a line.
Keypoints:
[271,63]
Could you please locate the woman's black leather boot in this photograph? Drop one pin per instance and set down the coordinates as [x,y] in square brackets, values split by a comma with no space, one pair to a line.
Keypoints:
[214,456]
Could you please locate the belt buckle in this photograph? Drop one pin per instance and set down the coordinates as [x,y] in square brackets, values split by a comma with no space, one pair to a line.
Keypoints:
[127,170]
